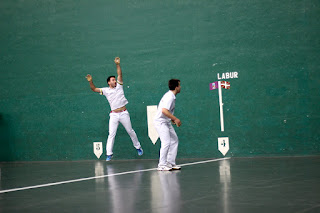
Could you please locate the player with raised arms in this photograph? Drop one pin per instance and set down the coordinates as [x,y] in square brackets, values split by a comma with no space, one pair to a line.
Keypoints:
[119,114]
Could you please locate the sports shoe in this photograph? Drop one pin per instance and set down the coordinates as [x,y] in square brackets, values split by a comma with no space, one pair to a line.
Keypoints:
[140,151]
[164,168]
[109,157]
[175,167]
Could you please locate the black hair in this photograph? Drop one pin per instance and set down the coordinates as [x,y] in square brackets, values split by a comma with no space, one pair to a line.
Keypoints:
[112,76]
[173,83]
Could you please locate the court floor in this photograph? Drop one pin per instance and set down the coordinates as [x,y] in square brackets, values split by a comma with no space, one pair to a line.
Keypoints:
[283,184]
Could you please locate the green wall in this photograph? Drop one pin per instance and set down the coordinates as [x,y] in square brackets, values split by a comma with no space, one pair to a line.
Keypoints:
[48,112]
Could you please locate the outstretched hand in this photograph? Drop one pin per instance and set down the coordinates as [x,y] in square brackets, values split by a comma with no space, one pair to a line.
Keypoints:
[117,60]
[89,77]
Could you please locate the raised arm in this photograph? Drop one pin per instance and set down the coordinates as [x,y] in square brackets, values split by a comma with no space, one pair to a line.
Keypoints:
[119,72]
[92,86]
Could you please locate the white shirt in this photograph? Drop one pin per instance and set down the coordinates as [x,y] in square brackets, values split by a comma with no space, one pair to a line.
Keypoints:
[115,96]
[168,101]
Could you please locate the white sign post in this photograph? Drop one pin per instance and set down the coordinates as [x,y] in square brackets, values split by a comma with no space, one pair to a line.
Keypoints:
[152,132]
[221,107]
[97,149]
[223,145]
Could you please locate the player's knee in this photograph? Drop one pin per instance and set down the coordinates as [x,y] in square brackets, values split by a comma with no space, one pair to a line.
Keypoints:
[165,146]
[131,132]
[112,134]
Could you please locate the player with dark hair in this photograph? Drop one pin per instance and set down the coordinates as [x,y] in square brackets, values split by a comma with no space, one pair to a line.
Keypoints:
[115,95]
[162,123]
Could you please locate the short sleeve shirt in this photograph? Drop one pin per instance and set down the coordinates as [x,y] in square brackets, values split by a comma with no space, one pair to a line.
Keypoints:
[115,96]
[168,101]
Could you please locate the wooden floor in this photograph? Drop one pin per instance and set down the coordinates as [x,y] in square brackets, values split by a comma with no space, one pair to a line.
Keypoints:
[284,184]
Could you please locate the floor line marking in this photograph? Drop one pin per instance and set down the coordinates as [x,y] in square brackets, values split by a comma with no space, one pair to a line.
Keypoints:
[101,176]
[206,161]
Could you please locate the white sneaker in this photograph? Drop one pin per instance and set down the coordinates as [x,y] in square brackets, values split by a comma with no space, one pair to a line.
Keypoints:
[164,168]
[175,167]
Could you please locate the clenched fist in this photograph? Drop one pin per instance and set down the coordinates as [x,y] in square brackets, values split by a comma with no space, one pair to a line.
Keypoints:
[117,60]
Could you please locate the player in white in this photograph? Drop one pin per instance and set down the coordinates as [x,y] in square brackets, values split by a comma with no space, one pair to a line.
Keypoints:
[162,123]
[115,95]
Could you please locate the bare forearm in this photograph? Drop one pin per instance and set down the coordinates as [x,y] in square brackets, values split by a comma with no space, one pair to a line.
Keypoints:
[173,118]
[168,114]
[92,86]
[119,72]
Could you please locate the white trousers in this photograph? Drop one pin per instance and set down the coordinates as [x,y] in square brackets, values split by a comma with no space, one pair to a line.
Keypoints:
[124,119]
[169,144]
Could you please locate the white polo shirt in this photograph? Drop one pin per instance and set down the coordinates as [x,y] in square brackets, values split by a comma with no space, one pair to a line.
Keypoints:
[115,96]
[168,101]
